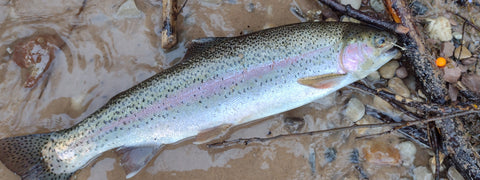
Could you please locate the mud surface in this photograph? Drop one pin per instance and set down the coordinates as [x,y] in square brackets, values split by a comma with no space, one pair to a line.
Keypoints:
[104,53]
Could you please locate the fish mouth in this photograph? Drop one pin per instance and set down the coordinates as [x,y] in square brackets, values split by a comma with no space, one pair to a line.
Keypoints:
[392,52]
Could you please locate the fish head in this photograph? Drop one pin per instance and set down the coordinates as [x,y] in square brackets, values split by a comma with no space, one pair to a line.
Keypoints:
[365,50]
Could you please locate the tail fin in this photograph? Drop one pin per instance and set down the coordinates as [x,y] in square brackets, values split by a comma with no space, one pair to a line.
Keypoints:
[23,155]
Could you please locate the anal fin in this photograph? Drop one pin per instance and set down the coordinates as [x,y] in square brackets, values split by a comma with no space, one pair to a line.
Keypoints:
[322,81]
[211,133]
[133,159]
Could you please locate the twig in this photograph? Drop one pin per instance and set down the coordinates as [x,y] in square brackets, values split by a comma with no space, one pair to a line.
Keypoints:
[414,133]
[465,158]
[169,18]
[466,20]
[348,10]
[433,135]
[397,126]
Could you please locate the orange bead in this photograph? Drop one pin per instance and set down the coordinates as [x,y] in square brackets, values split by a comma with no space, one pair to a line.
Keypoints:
[441,62]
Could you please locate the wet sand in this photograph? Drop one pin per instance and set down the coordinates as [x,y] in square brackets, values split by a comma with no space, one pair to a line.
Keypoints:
[105,54]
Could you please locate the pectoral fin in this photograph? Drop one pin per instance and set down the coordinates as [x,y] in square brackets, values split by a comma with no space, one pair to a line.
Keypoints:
[212,133]
[322,81]
[133,159]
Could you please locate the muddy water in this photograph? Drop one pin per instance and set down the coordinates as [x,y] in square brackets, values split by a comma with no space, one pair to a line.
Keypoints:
[104,53]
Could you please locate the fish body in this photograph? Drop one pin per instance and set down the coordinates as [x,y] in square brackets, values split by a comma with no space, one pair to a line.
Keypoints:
[220,82]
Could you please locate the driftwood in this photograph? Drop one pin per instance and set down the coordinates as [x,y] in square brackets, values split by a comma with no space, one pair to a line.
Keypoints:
[454,142]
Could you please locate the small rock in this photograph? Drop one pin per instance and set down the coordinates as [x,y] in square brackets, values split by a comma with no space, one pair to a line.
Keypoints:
[457,35]
[418,8]
[374,76]
[381,104]
[354,3]
[451,74]
[453,174]
[388,70]
[355,110]
[469,61]
[453,92]
[407,152]
[128,10]
[381,153]
[398,87]
[349,19]
[440,29]
[447,49]
[411,83]
[401,72]
[35,54]
[465,53]
[422,173]
[472,82]
[293,124]
[330,154]
[377,5]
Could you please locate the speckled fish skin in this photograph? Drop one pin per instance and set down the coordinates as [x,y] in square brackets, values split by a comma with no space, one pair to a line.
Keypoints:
[220,81]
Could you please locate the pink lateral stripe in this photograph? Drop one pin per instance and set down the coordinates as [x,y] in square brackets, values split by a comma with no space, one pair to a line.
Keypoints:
[207,88]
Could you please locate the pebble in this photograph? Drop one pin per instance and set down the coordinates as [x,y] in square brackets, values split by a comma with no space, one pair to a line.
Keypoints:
[387,71]
[354,3]
[451,74]
[293,124]
[447,49]
[401,72]
[418,8]
[381,153]
[407,152]
[375,76]
[381,104]
[398,87]
[440,29]
[128,10]
[377,6]
[469,61]
[349,19]
[355,110]
[461,52]
[472,82]
[457,35]
[422,173]
[453,174]
[452,92]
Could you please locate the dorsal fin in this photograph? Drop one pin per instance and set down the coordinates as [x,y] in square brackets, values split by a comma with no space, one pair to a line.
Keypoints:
[202,44]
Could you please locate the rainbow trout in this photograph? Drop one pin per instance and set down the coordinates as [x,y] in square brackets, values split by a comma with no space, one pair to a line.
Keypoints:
[220,82]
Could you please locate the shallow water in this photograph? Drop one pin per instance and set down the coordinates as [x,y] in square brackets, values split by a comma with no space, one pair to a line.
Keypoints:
[104,54]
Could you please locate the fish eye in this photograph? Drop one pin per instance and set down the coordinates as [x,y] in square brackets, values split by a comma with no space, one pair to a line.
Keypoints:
[380,42]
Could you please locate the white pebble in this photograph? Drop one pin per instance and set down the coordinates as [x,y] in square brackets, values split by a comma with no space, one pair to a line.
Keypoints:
[422,173]
[355,110]
[407,152]
[453,174]
[440,29]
